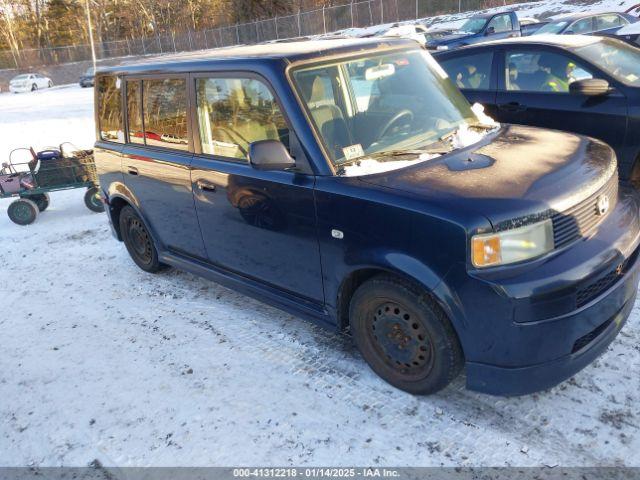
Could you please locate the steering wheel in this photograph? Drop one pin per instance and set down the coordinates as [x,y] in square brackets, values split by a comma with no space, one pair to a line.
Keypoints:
[393,120]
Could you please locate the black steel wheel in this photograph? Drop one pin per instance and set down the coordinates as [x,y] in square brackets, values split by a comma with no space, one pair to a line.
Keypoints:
[42,200]
[404,335]
[138,241]
[23,211]
[93,201]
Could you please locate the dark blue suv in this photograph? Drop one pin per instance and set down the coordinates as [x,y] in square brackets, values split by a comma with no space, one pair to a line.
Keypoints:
[350,182]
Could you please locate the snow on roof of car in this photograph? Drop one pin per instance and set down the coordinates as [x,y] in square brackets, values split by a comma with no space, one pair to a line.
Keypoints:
[289,50]
[567,41]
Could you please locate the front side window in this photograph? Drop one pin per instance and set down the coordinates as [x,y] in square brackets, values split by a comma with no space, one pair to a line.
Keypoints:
[110,109]
[383,102]
[501,23]
[542,71]
[165,113]
[234,112]
[470,72]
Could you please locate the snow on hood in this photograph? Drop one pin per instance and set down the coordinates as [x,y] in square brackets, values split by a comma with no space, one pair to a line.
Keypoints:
[463,137]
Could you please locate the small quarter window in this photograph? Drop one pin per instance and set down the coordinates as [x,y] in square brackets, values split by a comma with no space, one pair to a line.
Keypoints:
[234,112]
[110,109]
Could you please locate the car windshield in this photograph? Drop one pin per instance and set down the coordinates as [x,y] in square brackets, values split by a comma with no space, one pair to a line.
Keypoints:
[620,60]
[473,25]
[551,28]
[382,103]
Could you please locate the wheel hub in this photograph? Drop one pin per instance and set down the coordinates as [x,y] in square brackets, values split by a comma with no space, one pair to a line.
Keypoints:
[401,337]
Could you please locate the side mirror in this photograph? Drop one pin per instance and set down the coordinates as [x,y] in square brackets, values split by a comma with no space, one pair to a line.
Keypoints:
[490,31]
[270,155]
[591,87]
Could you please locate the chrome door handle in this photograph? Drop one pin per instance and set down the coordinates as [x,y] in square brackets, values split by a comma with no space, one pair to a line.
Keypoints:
[206,186]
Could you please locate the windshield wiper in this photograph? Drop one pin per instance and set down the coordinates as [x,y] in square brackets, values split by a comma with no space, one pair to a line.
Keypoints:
[386,153]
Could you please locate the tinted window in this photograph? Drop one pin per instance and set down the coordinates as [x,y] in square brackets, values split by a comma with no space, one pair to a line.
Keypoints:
[604,22]
[110,109]
[234,112]
[472,72]
[134,112]
[540,71]
[615,57]
[165,113]
[582,26]
[501,23]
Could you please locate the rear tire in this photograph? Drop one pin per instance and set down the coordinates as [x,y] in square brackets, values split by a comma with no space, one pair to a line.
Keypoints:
[23,211]
[404,335]
[42,200]
[50,84]
[138,241]
[34,87]
[93,200]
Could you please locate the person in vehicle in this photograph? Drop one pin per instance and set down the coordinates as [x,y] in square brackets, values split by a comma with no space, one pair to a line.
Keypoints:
[556,70]
[512,71]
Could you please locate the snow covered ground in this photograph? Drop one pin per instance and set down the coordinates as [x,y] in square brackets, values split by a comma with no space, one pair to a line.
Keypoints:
[102,361]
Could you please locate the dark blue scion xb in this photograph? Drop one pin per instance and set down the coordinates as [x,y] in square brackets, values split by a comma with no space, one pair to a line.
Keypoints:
[350,182]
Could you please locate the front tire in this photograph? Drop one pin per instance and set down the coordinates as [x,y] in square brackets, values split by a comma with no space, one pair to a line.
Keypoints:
[34,87]
[50,84]
[23,211]
[404,335]
[138,241]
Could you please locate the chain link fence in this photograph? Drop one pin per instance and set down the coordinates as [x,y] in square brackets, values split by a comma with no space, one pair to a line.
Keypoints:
[305,23]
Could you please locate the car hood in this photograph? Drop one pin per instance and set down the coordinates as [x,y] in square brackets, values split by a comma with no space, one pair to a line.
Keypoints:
[510,175]
[451,38]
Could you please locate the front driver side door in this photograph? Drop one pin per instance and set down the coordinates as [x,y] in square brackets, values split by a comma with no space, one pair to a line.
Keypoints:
[533,89]
[257,224]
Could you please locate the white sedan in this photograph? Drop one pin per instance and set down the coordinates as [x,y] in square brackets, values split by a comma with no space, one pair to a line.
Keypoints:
[29,82]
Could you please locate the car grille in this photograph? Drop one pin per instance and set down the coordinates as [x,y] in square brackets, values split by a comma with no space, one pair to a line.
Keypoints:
[583,219]
[591,291]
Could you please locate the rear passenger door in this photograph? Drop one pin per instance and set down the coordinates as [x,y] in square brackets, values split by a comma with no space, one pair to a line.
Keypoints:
[257,224]
[474,74]
[156,160]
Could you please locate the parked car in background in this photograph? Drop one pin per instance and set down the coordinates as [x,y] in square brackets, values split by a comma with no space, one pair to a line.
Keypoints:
[350,182]
[585,84]
[418,32]
[29,82]
[479,28]
[86,80]
[586,24]
[530,25]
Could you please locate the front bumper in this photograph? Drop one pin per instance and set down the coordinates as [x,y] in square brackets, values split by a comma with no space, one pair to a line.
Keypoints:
[527,328]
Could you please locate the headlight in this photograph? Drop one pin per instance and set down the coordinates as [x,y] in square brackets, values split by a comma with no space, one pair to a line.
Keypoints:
[442,47]
[512,246]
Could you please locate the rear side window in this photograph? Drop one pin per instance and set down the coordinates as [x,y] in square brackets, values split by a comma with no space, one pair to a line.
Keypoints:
[470,72]
[110,109]
[165,113]
[234,112]
[605,22]
[582,26]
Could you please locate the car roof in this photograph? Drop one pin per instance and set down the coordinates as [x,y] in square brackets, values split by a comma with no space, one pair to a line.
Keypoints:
[564,41]
[289,51]
[568,17]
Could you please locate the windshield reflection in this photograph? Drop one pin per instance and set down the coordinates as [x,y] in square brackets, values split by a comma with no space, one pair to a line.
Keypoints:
[381,103]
